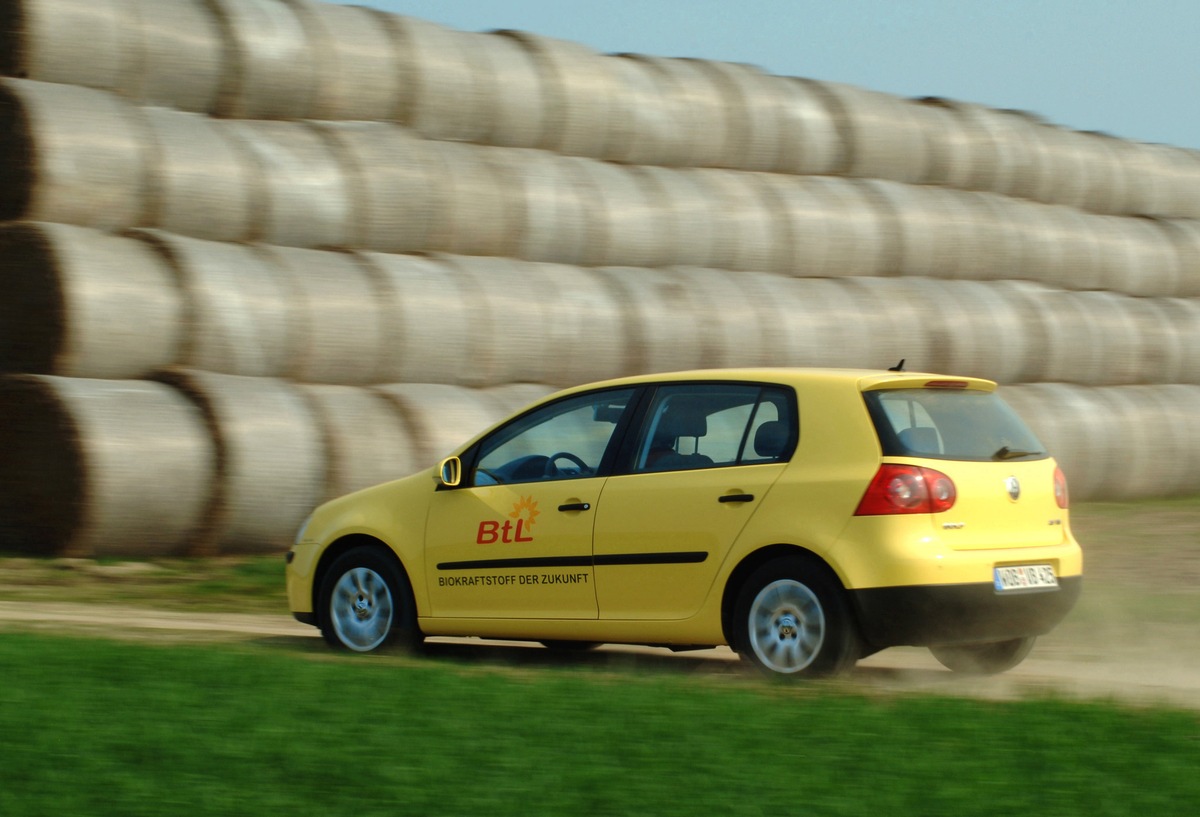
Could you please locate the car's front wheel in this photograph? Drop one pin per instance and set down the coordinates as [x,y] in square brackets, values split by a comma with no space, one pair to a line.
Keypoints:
[366,602]
[792,618]
[984,659]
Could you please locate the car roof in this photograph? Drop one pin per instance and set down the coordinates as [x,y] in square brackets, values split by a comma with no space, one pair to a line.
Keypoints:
[862,379]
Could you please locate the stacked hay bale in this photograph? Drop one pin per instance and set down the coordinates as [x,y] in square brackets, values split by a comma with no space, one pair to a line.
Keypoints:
[258,253]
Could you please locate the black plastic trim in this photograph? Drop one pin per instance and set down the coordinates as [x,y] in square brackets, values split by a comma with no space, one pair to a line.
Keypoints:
[686,557]
[959,614]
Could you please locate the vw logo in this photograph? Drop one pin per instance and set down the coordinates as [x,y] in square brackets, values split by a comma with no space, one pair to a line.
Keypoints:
[1014,488]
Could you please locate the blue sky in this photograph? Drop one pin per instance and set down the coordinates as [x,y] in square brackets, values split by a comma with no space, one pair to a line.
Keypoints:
[1127,68]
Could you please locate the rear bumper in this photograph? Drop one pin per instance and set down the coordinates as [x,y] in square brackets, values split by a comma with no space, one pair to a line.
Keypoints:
[959,614]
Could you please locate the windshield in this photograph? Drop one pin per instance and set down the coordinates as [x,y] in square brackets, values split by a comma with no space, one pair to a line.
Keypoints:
[950,425]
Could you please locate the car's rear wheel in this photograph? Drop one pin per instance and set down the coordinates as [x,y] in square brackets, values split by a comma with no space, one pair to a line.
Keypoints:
[792,618]
[984,659]
[366,602]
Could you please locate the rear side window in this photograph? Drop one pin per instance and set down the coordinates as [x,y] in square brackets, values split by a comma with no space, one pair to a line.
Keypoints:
[950,425]
[707,425]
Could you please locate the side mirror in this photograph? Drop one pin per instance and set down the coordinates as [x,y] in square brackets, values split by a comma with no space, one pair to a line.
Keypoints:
[450,472]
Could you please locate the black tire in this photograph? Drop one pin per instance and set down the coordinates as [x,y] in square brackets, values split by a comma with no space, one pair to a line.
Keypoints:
[366,602]
[984,659]
[792,618]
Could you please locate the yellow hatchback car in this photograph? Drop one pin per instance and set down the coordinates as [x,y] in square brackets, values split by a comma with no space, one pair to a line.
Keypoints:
[804,517]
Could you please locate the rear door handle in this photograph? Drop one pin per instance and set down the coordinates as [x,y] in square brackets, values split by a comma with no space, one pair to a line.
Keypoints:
[736,498]
[575,506]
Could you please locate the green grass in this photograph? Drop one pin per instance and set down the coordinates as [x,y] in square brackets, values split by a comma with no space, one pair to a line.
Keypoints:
[108,728]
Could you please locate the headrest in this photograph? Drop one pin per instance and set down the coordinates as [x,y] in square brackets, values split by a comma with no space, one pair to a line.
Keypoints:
[921,439]
[770,439]
[682,420]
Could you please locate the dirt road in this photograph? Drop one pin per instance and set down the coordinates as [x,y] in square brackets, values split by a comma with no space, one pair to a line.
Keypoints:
[1141,674]
[1134,636]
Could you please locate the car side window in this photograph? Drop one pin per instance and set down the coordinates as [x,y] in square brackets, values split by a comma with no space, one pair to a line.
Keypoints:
[715,424]
[565,440]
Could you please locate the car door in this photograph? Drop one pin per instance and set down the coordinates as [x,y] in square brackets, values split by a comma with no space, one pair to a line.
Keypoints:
[703,461]
[515,540]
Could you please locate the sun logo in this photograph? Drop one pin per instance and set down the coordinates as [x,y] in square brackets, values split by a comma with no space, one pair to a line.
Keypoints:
[525,505]
[524,512]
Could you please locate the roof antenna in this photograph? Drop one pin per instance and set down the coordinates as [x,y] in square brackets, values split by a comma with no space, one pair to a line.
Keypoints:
[899,367]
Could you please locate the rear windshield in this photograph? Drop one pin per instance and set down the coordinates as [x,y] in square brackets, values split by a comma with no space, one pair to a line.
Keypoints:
[950,425]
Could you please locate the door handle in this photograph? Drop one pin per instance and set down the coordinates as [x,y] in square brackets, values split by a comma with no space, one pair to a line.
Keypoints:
[736,498]
[575,506]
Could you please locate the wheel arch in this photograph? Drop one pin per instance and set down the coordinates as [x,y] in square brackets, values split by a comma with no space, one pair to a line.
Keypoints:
[343,545]
[756,559]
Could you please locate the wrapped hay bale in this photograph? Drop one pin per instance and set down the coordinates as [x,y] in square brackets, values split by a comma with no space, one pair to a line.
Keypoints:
[1108,192]
[435,323]
[734,333]
[71,155]
[241,317]
[339,304]
[795,328]
[102,467]
[1065,178]
[520,113]
[71,42]
[1136,256]
[1179,407]
[1000,252]
[810,226]
[307,200]
[1074,430]
[644,95]
[962,153]
[1185,237]
[664,328]
[630,215]
[395,180]
[514,397]
[520,300]
[598,347]
[367,439]
[271,70]
[357,72]
[692,218]
[752,109]
[697,106]
[905,326]
[206,184]
[810,142]
[272,459]
[861,237]
[481,212]
[1065,243]
[443,417]
[852,332]
[1013,166]
[1183,318]
[448,91]
[81,303]
[1075,350]
[559,201]
[580,87]
[886,133]
[180,54]
[934,230]
[749,233]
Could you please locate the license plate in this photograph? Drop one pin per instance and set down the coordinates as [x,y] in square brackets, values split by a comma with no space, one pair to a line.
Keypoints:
[1024,577]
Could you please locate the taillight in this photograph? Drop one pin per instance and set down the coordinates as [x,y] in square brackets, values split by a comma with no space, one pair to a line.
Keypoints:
[1060,489]
[907,489]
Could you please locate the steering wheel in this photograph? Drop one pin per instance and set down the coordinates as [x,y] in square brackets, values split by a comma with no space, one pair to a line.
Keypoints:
[552,469]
